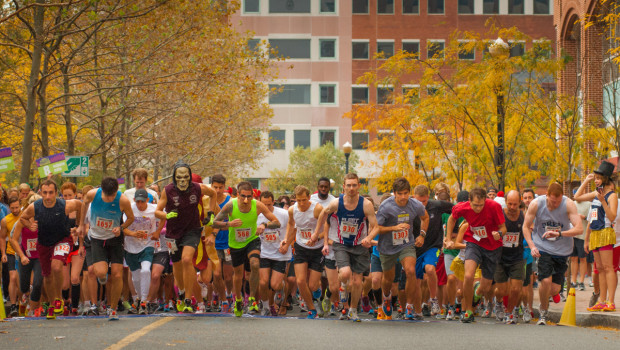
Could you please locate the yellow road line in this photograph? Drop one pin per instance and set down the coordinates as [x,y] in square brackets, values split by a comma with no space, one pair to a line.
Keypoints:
[139,333]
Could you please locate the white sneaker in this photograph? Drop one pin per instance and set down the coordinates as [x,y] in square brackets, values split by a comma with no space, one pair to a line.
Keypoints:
[499,311]
[527,315]
[542,321]
[201,309]
[112,316]
[435,309]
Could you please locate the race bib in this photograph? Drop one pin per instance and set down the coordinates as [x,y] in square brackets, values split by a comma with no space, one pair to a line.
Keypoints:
[31,245]
[479,232]
[172,245]
[347,229]
[227,256]
[271,237]
[157,245]
[142,235]
[304,235]
[103,223]
[62,249]
[511,239]
[242,234]
[593,215]
[554,229]
[400,237]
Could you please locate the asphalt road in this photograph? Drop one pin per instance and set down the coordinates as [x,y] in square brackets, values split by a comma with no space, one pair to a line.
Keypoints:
[214,331]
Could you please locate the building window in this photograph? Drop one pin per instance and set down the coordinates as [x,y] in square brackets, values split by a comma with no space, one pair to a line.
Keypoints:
[465,54]
[490,7]
[359,95]
[412,47]
[386,48]
[360,6]
[301,138]
[290,94]
[411,6]
[327,48]
[516,7]
[517,49]
[436,7]
[384,135]
[327,136]
[434,49]
[253,44]
[466,7]
[289,6]
[359,140]
[385,6]
[411,95]
[328,6]
[360,50]
[384,95]
[251,6]
[291,48]
[541,7]
[432,90]
[254,182]
[328,93]
[277,139]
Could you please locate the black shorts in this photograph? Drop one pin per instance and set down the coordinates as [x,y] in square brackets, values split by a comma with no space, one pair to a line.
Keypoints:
[291,269]
[163,259]
[10,259]
[552,266]
[578,250]
[313,257]
[275,265]
[486,259]
[528,275]
[109,250]
[330,264]
[240,256]
[191,238]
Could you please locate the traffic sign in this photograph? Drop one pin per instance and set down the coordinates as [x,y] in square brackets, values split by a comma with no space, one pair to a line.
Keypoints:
[77,167]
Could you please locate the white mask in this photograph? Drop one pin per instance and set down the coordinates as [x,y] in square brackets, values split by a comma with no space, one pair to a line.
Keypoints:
[182,177]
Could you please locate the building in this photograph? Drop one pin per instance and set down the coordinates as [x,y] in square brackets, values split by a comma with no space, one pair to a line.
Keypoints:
[331,43]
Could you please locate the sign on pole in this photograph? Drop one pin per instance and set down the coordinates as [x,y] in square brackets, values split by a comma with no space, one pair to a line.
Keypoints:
[77,167]
[121,184]
[54,164]
[6,160]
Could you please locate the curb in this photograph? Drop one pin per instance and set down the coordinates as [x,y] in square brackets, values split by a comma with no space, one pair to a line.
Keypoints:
[587,319]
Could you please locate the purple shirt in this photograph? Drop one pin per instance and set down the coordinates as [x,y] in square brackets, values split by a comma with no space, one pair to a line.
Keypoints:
[186,204]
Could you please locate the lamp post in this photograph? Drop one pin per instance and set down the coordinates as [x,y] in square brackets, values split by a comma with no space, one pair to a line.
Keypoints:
[347,148]
[501,50]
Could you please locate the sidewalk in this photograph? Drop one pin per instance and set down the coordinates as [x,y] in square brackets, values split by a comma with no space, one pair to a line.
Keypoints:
[584,318]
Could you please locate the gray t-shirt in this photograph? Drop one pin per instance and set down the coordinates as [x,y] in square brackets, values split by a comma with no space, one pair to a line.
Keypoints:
[391,214]
[583,208]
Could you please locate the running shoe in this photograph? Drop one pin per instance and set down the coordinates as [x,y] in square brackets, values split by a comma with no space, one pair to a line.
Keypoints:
[380,314]
[50,313]
[467,317]
[610,307]
[593,299]
[225,307]
[353,315]
[435,309]
[133,308]
[344,314]
[600,306]
[312,315]
[487,312]
[450,314]
[189,306]
[273,310]
[442,314]
[59,307]
[152,308]
[239,308]
[527,315]
[318,308]
[418,317]
[542,320]
[326,305]
[142,309]
[302,306]
[180,305]
[582,286]
[253,308]
[457,309]
[409,313]
[13,310]
[426,311]
[265,312]
[112,316]
[38,312]
[386,308]
[278,299]
[510,319]
[93,310]
[476,298]
[201,308]
[365,303]
[499,311]
[333,311]
[82,310]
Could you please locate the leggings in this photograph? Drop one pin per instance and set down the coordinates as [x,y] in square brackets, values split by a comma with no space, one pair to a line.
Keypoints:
[34,267]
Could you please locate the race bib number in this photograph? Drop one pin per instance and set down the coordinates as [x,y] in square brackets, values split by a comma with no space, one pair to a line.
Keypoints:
[511,239]
[400,237]
[242,234]
[271,237]
[347,229]
[172,245]
[31,245]
[157,245]
[62,249]
[142,235]
[554,229]
[593,215]
[304,235]
[479,232]
[103,223]
[227,256]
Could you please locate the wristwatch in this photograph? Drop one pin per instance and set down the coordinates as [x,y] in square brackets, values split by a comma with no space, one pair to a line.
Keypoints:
[423,233]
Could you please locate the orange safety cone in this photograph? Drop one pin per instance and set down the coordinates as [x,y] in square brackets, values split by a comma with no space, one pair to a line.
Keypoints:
[569,314]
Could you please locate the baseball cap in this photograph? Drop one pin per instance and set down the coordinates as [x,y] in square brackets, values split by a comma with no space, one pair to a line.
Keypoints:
[141,195]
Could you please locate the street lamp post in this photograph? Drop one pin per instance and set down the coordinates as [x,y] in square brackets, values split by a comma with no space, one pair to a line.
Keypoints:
[500,49]
[347,148]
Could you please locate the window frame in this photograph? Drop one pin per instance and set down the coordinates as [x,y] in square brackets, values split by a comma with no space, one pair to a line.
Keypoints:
[287,58]
[360,87]
[491,13]
[385,41]
[290,13]
[283,144]
[435,13]
[361,41]
[361,145]
[329,13]
[295,145]
[428,45]
[386,13]
[473,52]
[335,86]
[321,131]
[361,13]
[290,84]
[244,11]
[335,57]
[473,10]
[402,8]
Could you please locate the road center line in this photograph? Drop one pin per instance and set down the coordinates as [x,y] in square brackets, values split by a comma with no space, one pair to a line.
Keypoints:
[139,333]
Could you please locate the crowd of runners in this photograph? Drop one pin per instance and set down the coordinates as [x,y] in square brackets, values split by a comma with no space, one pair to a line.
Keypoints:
[196,248]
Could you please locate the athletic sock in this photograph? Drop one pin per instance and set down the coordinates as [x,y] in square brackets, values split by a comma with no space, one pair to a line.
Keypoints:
[316,294]
[377,295]
[75,295]
[65,294]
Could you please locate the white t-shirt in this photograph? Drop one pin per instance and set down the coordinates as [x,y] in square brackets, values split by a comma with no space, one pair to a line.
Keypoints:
[143,221]
[323,202]
[270,239]
[130,194]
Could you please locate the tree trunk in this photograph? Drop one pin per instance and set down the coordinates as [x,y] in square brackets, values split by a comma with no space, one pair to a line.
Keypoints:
[45,134]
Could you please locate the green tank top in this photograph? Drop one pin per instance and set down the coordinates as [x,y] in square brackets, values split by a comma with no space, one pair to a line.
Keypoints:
[239,237]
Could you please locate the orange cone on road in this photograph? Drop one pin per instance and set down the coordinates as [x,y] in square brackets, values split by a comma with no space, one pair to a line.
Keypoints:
[569,314]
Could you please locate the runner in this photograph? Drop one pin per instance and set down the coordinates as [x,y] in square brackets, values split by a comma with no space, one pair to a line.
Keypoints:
[551,240]
[53,241]
[8,253]
[140,176]
[395,219]
[483,240]
[107,206]
[356,215]
[73,272]
[223,282]
[239,216]
[528,283]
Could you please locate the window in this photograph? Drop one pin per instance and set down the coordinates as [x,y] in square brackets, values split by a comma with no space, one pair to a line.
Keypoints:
[327,136]
[490,7]
[359,95]
[432,90]
[290,94]
[411,6]
[359,140]
[434,49]
[384,135]
[436,7]
[360,6]
[289,6]
[411,95]
[384,95]
[412,47]
[464,53]
[385,6]
[360,50]
[327,48]
[516,7]
[301,138]
[253,44]
[328,6]
[251,6]
[255,182]
[291,48]
[277,139]
[541,7]
[517,49]
[328,93]
[386,48]
[466,7]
